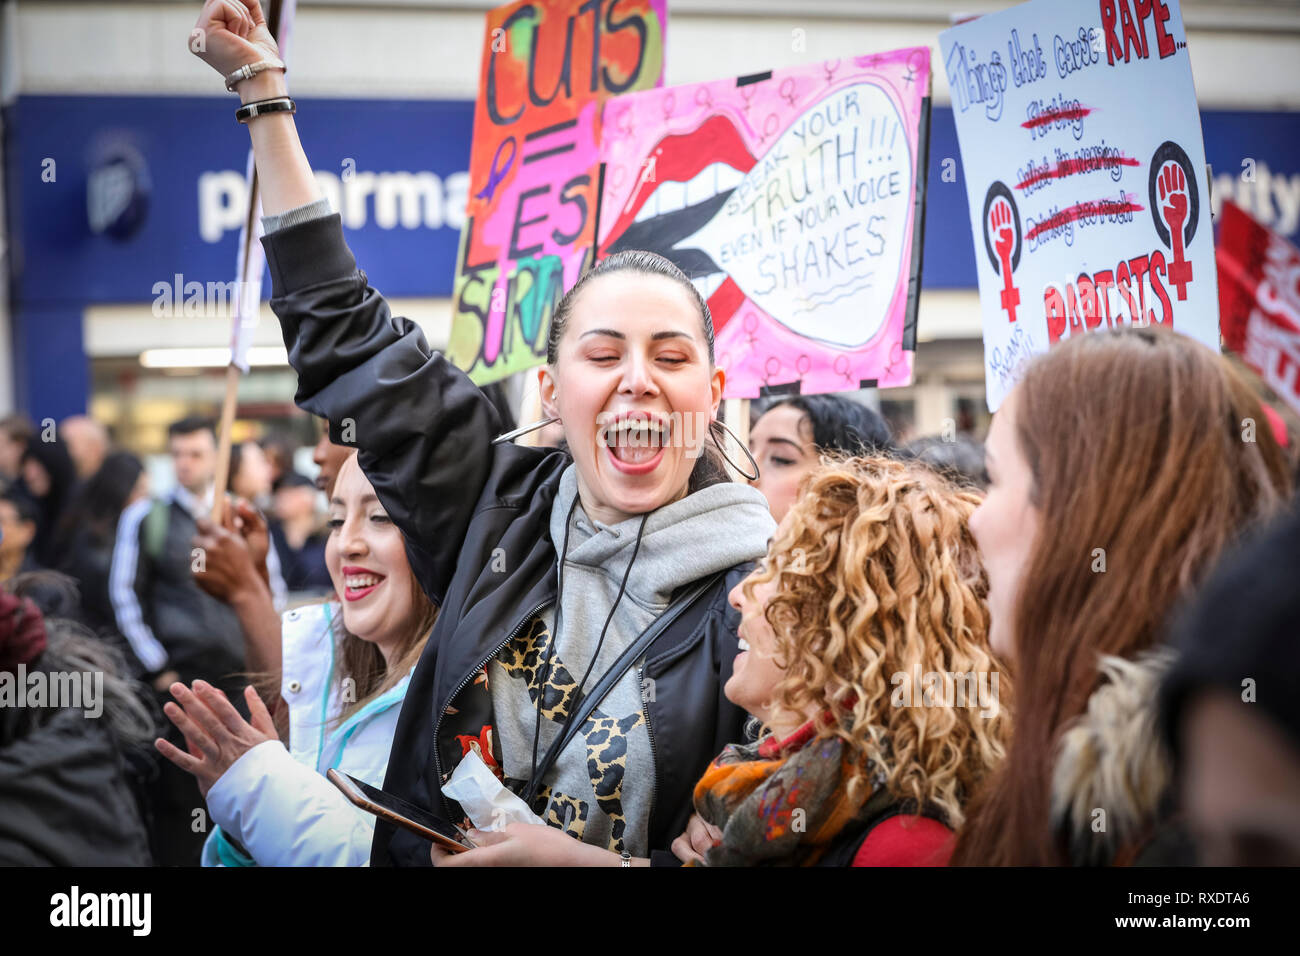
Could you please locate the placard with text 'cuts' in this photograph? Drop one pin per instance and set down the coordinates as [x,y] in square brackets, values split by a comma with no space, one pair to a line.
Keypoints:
[1085,167]
[530,223]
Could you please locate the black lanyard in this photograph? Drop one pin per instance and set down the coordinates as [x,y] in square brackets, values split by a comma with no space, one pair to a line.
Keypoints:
[534,781]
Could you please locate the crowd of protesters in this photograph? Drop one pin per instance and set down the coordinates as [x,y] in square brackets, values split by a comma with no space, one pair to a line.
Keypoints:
[830,643]
[640,642]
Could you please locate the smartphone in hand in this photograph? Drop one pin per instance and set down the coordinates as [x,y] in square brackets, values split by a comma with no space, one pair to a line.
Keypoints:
[397,811]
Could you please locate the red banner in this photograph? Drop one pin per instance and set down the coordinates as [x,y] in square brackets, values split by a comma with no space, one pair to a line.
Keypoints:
[1259,300]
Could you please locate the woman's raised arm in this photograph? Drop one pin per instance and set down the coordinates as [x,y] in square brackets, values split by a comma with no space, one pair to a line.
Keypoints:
[233,33]
[423,431]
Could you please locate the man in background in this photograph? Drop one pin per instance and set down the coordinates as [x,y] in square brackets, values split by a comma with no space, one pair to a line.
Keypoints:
[175,630]
[87,442]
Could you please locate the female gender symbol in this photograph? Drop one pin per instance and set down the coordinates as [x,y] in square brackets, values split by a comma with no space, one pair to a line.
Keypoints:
[913,61]
[625,122]
[802,364]
[704,98]
[769,127]
[829,67]
[747,94]
[787,89]
[895,356]
[770,368]
[751,329]
[841,367]
[669,102]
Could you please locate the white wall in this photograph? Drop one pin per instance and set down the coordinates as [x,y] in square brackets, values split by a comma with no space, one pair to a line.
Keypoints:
[1243,54]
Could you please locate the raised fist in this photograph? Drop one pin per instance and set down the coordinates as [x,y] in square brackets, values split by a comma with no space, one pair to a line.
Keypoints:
[1004,236]
[1004,240]
[1171,185]
[231,33]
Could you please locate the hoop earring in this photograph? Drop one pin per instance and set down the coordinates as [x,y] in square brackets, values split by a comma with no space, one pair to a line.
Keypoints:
[718,445]
[511,436]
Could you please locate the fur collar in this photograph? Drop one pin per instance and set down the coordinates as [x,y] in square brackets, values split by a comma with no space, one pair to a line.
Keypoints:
[1111,769]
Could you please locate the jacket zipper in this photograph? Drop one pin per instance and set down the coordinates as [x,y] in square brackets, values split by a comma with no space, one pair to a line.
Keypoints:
[654,756]
[437,759]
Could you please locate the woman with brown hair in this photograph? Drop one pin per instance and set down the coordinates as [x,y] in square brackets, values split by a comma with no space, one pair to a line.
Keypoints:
[1120,467]
[864,655]
[343,671]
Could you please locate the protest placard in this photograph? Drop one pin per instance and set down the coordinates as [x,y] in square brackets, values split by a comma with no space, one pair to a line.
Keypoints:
[1259,300]
[1085,169]
[529,230]
[792,200]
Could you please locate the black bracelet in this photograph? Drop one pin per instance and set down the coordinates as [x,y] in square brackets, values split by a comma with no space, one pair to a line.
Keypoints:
[280,104]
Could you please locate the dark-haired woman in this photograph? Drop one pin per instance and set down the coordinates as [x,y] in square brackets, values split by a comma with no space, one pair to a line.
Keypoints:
[250,474]
[250,479]
[50,479]
[790,436]
[583,599]
[87,531]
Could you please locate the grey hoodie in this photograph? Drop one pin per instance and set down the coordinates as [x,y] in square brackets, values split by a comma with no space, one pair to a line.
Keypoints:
[600,789]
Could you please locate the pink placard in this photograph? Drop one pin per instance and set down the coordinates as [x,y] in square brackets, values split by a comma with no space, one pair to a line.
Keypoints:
[791,201]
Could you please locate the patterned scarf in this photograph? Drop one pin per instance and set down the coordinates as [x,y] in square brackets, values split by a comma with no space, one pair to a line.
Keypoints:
[782,801]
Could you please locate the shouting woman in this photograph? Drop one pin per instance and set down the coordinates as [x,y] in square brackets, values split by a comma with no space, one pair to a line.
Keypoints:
[583,636]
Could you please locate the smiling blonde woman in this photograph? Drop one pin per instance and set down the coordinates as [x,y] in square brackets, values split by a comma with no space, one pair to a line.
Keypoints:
[871,586]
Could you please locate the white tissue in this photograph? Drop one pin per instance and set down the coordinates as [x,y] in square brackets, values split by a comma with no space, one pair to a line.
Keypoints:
[481,795]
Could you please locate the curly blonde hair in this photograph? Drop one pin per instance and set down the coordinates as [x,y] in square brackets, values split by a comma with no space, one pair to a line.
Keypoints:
[878,576]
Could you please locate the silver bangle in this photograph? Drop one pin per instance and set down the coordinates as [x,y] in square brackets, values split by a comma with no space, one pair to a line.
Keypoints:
[249,70]
[627,859]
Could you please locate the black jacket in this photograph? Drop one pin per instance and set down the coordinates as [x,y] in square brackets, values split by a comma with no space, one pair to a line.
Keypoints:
[88,558]
[468,508]
[67,801]
[201,634]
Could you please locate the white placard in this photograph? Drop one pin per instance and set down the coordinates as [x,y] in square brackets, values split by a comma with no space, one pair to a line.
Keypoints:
[1085,170]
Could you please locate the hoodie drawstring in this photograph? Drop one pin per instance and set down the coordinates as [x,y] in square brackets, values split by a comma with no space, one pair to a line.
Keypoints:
[533,783]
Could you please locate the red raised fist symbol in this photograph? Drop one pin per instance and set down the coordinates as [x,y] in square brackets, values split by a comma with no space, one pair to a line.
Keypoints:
[1171,185]
[1004,238]
[1004,235]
